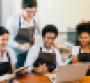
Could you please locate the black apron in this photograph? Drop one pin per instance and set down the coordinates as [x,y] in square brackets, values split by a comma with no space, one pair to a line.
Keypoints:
[5,67]
[46,58]
[25,35]
[84,57]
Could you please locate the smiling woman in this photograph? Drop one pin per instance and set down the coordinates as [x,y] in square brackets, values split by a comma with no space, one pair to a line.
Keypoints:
[81,54]
[7,56]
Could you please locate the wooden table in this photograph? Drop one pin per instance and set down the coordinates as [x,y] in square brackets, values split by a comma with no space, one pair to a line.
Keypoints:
[33,79]
[86,79]
[44,79]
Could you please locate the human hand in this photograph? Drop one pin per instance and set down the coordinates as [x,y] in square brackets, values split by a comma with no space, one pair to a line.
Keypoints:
[24,47]
[21,71]
[42,69]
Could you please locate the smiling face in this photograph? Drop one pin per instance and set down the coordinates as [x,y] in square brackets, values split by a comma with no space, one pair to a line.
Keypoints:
[84,39]
[4,41]
[49,39]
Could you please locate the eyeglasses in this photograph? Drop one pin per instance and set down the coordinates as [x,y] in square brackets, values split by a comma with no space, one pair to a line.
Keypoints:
[32,9]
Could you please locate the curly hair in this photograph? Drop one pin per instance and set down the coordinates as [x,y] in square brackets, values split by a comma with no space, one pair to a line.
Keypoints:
[83,27]
[49,28]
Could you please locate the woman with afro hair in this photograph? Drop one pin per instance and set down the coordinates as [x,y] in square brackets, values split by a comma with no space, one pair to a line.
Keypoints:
[81,53]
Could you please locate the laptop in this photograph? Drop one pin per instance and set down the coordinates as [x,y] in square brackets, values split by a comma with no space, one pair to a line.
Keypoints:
[71,72]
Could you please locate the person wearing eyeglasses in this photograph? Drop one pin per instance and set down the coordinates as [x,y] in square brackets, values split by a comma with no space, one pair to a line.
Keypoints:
[45,57]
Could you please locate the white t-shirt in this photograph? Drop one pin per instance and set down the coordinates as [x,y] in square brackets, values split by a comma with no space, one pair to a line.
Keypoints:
[75,50]
[12,55]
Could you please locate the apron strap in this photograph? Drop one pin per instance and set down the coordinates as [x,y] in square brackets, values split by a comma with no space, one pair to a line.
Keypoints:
[9,62]
[40,49]
[19,21]
[79,50]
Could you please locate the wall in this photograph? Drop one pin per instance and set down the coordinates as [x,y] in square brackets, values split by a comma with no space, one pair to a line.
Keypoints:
[62,13]
[8,8]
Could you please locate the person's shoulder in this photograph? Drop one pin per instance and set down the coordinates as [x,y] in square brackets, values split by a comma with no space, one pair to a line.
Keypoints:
[14,17]
[36,18]
[57,50]
[75,50]
[11,52]
[35,47]
[75,47]
[9,49]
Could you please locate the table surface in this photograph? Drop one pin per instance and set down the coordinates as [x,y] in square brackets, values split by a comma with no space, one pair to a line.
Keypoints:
[86,79]
[34,79]
[44,79]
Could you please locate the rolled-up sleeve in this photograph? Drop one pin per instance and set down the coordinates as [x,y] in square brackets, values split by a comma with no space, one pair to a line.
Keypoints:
[13,57]
[11,25]
[59,58]
[32,56]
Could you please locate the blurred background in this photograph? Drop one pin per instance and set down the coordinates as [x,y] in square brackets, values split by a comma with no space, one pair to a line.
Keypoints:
[65,14]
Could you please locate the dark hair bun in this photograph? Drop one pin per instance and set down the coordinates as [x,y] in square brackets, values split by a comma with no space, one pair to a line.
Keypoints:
[83,27]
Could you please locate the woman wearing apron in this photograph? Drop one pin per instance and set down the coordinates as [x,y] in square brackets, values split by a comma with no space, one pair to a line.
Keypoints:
[7,55]
[22,28]
[45,57]
[81,54]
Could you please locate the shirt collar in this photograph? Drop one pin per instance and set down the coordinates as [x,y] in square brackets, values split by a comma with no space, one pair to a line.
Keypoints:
[45,49]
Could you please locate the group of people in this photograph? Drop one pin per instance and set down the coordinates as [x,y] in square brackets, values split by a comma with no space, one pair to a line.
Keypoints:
[17,46]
